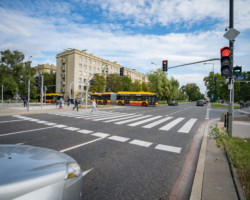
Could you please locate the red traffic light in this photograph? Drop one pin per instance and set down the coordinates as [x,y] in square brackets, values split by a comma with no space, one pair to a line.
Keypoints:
[225,51]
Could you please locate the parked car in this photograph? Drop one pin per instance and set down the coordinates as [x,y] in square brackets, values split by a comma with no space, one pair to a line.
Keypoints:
[29,172]
[200,103]
[173,103]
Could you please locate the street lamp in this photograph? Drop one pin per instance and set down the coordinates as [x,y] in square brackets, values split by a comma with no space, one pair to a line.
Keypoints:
[155,65]
[213,79]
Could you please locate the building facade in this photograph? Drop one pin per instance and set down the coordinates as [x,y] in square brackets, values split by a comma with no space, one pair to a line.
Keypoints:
[45,68]
[74,68]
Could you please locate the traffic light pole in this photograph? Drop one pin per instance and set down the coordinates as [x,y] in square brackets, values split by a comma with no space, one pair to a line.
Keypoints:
[28,103]
[231,45]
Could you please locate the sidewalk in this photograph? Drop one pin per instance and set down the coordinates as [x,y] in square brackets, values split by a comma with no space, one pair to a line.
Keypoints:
[214,177]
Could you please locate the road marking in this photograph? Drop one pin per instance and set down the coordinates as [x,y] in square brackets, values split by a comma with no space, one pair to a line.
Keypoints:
[86,172]
[7,134]
[171,124]
[85,131]
[133,119]
[207,114]
[112,117]
[118,138]
[80,145]
[42,122]
[141,143]
[102,135]
[168,148]
[118,119]
[50,124]
[157,122]
[72,129]
[11,121]
[144,121]
[187,127]
[60,126]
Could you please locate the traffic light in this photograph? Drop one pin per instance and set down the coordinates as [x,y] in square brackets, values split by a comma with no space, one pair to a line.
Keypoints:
[214,79]
[226,62]
[38,81]
[165,65]
[91,82]
[121,71]
[237,70]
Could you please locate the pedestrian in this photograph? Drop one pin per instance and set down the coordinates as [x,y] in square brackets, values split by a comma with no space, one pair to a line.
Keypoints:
[24,102]
[93,107]
[76,104]
[68,102]
[61,102]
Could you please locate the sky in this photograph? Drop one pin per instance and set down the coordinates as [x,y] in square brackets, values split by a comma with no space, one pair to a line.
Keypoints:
[138,34]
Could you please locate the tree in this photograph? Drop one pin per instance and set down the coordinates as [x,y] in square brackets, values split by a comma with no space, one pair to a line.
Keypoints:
[17,72]
[192,91]
[126,83]
[113,83]
[99,83]
[49,80]
[136,86]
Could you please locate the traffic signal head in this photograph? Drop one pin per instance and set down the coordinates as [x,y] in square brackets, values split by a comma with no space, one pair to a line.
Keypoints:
[121,71]
[91,82]
[226,62]
[164,65]
[237,71]
[38,81]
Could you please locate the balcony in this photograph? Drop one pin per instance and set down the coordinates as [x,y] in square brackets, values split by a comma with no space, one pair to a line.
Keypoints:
[63,60]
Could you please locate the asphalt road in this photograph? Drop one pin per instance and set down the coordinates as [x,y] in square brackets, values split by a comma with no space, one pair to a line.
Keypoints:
[124,152]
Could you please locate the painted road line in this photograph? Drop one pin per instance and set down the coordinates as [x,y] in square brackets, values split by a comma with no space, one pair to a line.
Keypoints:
[112,117]
[122,118]
[141,143]
[171,124]
[102,135]
[50,124]
[14,133]
[168,148]
[17,120]
[60,126]
[83,144]
[72,129]
[187,127]
[118,138]
[157,122]
[207,114]
[42,122]
[86,172]
[85,131]
[144,121]
[133,119]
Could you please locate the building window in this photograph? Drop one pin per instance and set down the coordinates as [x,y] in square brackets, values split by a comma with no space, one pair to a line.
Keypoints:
[80,65]
[85,67]
[85,74]
[85,59]
[79,87]
[85,80]
[80,80]
[80,58]
[80,72]
[89,68]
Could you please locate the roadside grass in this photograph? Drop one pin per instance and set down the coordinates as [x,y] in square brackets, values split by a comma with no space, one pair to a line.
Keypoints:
[238,150]
[217,105]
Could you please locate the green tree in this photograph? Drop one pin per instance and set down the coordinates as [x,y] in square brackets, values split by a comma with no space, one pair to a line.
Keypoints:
[113,83]
[49,80]
[126,83]
[136,86]
[192,91]
[99,83]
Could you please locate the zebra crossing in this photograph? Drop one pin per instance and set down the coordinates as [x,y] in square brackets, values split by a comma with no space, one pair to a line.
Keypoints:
[163,123]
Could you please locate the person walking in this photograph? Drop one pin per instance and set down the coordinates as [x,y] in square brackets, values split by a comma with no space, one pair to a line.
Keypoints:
[68,102]
[24,102]
[76,104]
[61,103]
[93,107]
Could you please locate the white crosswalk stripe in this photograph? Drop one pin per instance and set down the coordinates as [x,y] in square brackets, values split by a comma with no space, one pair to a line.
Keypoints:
[170,125]
[157,122]
[187,127]
[149,121]
[133,119]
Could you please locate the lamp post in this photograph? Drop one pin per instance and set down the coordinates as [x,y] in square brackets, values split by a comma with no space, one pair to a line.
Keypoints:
[155,65]
[213,79]
[28,106]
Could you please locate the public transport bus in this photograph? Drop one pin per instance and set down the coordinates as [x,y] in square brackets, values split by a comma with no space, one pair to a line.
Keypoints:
[137,98]
[50,97]
[101,98]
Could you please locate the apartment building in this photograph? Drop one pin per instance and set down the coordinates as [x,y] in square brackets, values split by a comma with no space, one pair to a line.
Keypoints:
[45,68]
[74,68]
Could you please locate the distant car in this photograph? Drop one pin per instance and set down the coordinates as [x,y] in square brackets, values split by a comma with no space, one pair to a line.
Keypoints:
[200,103]
[29,173]
[173,103]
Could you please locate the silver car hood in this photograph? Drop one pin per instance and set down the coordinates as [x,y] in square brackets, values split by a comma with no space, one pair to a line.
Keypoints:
[25,168]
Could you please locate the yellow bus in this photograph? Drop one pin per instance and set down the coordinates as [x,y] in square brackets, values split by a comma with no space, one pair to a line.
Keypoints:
[137,98]
[101,98]
[50,97]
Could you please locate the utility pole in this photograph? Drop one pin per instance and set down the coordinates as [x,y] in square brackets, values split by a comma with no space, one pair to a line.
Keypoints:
[28,106]
[231,46]
[41,92]
[2,95]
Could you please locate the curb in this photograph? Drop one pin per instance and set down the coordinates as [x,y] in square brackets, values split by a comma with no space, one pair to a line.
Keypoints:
[198,179]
